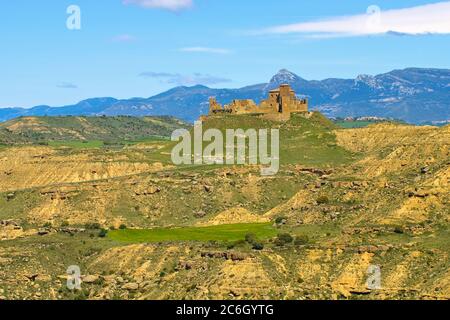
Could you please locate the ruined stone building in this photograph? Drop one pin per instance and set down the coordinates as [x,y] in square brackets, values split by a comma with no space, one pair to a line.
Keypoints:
[281,103]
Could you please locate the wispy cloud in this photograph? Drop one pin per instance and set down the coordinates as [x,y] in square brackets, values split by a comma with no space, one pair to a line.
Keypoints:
[206,50]
[419,20]
[185,80]
[173,5]
[66,85]
[124,38]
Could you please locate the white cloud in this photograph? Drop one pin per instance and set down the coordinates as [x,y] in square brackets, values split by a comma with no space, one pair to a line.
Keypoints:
[425,19]
[205,50]
[173,5]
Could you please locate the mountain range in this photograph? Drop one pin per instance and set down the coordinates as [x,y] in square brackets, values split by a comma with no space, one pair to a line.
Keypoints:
[415,95]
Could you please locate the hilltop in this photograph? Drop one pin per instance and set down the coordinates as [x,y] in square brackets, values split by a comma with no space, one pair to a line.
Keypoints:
[414,95]
[303,139]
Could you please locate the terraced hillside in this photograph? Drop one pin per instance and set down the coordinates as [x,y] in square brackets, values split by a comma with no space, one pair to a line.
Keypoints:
[141,228]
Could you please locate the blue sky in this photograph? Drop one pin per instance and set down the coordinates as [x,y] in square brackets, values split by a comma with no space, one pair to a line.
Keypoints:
[138,48]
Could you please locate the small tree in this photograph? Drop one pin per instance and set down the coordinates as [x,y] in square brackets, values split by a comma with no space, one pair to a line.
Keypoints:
[323,200]
[257,246]
[280,220]
[103,233]
[399,230]
[283,238]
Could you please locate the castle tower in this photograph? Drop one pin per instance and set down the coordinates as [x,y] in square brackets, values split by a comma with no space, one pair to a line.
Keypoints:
[285,90]
[286,98]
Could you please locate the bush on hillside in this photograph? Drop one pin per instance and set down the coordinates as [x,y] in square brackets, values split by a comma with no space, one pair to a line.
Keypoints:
[257,246]
[250,238]
[103,233]
[283,239]
[322,200]
[280,220]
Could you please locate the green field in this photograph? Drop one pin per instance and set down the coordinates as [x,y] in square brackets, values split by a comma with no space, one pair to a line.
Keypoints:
[232,232]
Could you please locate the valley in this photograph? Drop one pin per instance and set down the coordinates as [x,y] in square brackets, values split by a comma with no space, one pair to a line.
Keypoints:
[108,199]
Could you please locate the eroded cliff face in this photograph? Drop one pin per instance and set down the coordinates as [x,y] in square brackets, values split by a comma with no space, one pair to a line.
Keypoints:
[388,207]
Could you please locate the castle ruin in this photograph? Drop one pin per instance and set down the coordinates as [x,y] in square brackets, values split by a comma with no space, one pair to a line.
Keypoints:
[281,103]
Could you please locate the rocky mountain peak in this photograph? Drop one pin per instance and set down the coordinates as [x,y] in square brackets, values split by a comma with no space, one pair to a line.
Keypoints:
[284,76]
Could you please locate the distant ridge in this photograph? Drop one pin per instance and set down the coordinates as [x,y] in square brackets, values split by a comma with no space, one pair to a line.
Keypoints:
[32,130]
[414,95]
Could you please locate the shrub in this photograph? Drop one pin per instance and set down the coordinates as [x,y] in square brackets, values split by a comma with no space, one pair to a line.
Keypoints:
[103,233]
[280,220]
[322,200]
[257,246]
[122,227]
[250,238]
[301,240]
[399,230]
[278,242]
[230,245]
[286,237]
[283,238]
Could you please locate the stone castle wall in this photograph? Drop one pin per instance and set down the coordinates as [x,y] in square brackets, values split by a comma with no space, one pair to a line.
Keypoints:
[278,106]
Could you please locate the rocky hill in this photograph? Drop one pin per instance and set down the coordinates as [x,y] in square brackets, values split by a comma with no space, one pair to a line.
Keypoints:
[413,95]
